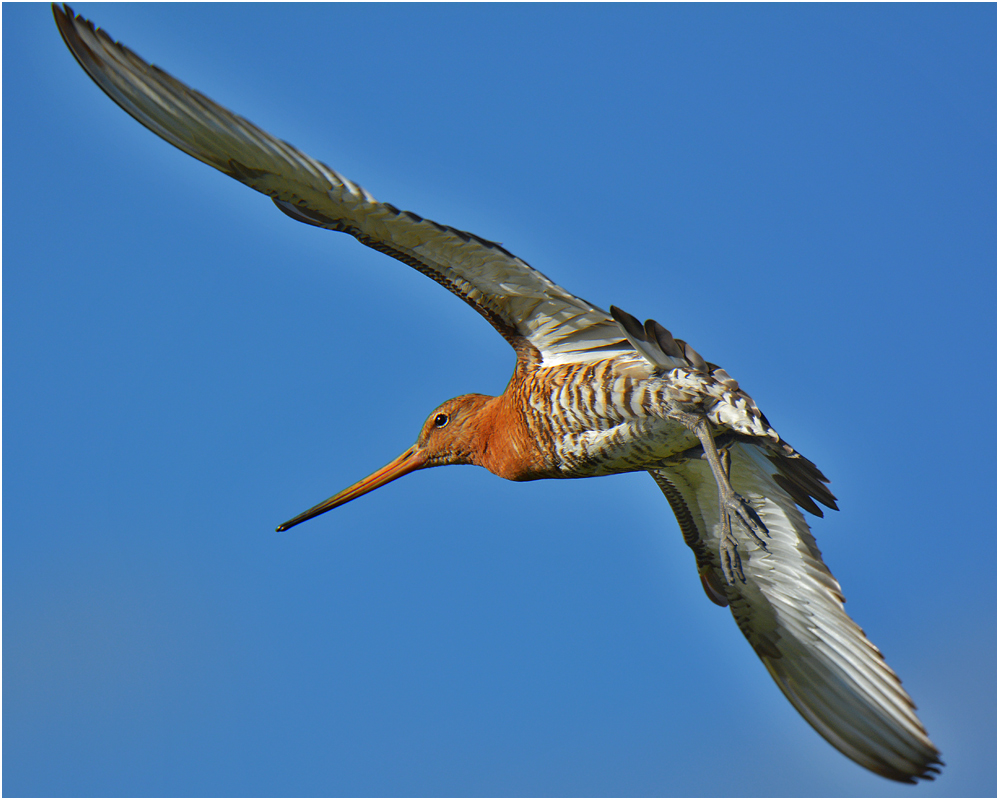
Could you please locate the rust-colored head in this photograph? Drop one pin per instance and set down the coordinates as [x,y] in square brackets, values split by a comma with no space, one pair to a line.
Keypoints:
[450,436]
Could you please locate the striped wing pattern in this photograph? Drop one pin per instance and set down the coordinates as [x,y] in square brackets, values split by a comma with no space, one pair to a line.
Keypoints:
[792,611]
[543,321]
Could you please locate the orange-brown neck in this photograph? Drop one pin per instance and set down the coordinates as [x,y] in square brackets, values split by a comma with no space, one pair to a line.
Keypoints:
[503,443]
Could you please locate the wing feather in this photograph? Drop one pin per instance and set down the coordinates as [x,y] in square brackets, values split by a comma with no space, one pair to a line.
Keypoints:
[520,302]
[791,609]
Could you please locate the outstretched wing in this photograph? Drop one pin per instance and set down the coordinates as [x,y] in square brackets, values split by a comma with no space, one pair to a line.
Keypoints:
[792,611]
[522,304]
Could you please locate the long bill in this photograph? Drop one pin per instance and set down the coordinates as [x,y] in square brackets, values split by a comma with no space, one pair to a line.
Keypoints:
[410,460]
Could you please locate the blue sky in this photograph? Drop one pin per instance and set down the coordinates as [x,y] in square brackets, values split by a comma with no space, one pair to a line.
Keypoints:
[805,193]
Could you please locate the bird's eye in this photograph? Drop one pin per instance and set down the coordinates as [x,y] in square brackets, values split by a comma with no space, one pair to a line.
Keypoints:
[441,421]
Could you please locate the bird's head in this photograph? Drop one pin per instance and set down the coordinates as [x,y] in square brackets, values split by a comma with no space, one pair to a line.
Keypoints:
[451,435]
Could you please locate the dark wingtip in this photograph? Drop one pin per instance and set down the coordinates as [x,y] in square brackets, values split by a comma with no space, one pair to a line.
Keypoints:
[61,15]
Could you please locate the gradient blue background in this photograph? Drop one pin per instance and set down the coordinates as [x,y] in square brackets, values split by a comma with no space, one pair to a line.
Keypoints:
[805,193]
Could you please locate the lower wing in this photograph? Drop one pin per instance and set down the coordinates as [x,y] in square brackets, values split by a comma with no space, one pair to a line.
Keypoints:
[792,611]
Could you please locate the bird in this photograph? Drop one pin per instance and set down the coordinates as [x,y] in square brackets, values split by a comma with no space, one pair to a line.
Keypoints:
[594,392]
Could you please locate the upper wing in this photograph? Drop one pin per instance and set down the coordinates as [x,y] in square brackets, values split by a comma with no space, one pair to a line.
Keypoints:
[520,302]
[792,611]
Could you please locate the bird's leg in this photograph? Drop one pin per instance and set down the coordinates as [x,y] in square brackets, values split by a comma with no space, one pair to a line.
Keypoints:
[730,504]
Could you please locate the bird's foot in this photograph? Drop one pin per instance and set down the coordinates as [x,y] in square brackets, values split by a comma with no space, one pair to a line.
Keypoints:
[729,556]
[733,506]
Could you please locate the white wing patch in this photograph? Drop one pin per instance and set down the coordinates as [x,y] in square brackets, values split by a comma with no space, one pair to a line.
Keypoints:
[791,609]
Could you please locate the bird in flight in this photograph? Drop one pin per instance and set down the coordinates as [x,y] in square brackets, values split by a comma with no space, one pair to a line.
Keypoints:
[593,393]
